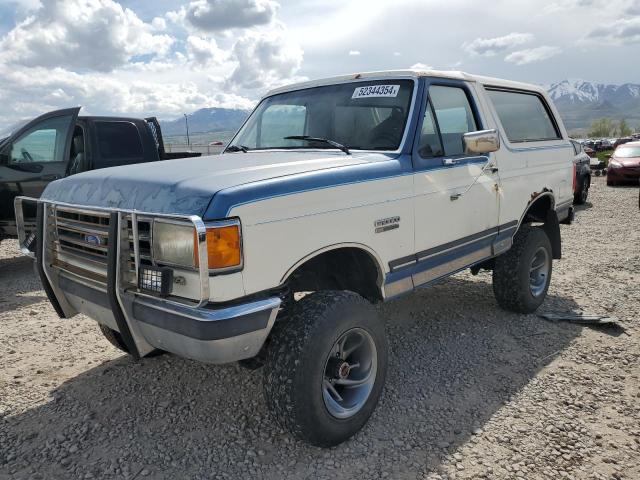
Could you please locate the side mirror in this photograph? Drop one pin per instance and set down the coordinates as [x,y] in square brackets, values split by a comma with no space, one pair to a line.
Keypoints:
[483,141]
[608,155]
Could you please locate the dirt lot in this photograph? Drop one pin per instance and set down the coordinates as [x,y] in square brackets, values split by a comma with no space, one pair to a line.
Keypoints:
[472,392]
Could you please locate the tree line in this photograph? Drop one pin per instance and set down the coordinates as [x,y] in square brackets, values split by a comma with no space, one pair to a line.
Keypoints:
[605,127]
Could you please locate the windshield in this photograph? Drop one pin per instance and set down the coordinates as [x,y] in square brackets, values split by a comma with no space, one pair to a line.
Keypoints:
[367,115]
[627,152]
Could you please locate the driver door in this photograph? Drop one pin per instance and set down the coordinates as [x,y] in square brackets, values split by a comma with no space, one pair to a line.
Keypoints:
[35,155]
[456,196]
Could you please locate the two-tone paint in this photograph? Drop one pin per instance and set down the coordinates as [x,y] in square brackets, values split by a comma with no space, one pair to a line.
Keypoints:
[294,205]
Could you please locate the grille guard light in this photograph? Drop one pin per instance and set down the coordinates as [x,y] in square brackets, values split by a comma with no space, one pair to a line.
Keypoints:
[158,280]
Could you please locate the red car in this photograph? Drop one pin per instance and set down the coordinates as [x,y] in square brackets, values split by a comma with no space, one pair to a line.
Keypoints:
[624,164]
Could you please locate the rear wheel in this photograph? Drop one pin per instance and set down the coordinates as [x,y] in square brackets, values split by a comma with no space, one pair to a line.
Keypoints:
[326,366]
[521,276]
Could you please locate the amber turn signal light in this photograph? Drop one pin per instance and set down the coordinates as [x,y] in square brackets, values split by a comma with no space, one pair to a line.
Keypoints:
[223,247]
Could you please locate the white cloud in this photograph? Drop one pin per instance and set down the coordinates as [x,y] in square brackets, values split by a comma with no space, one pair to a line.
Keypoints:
[32,91]
[159,24]
[633,8]
[218,15]
[354,53]
[264,60]
[489,47]
[421,66]
[620,32]
[531,55]
[202,51]
[81,34]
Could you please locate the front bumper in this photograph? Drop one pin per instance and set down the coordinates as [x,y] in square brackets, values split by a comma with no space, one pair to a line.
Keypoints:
[199,330]
[624,174]
[208,334]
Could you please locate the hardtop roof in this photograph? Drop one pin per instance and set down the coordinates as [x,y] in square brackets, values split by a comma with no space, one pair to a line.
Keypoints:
[409,73]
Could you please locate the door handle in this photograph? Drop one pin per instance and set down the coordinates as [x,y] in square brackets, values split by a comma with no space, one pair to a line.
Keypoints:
[492,168]
[50,177]
[449,161]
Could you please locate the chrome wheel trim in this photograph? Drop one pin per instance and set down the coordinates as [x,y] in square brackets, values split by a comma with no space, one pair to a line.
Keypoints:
[539,271]
[349,373]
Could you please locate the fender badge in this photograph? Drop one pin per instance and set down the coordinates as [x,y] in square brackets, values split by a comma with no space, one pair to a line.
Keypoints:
[386,224]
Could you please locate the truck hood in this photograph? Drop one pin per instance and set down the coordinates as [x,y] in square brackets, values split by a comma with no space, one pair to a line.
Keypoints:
[186,186]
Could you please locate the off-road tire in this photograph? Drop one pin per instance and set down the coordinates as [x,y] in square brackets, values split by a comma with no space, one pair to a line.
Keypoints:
[295,363]
[511,272]
[580,197]
[115,339]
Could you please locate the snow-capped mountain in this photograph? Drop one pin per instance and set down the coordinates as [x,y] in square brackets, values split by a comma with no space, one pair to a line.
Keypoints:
[581,91]
[581,102]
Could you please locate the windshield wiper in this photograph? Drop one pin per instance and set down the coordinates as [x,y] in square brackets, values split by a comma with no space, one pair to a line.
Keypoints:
[237,148]
[307,138]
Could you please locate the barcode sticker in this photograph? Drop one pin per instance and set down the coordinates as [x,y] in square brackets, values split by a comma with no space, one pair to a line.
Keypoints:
[372,91]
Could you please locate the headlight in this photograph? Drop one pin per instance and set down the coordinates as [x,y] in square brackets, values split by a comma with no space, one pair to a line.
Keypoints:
[614,164]
[173,243]
[176,244]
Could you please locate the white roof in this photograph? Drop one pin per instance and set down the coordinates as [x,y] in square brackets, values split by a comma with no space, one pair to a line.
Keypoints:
[410,73]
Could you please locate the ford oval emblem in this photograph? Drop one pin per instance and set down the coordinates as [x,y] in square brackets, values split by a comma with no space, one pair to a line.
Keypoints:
[92,239]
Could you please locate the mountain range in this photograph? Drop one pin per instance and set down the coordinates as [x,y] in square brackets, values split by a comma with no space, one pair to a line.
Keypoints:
[579,102]
[206,120]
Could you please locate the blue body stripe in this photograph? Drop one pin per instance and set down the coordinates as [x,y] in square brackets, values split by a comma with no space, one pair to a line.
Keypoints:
[225,200]
[449,253]
[438,260]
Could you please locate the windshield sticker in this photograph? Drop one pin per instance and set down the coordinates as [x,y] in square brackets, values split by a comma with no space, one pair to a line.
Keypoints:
[372,91]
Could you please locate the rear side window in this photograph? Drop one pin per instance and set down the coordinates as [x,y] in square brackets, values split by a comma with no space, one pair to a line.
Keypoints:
[118,140]
[525,116]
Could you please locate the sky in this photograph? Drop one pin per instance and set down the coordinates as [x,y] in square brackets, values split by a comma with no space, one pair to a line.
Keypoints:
[167,57]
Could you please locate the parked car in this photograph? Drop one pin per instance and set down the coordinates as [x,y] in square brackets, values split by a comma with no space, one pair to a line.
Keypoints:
[624,165]
[622,141]
[582,176]
[334,194]
[59,143]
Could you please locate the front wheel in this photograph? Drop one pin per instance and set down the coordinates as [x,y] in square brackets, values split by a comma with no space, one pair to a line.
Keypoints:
[326,366]
[522,275]
[580,197]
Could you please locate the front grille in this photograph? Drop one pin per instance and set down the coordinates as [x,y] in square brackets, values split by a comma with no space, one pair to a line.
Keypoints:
[79,242]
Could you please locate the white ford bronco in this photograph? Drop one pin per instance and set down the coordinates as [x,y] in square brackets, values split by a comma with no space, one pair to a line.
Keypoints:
[335,194]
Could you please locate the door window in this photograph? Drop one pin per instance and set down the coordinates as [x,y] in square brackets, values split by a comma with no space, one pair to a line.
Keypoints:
[43,143]
[453,115]
[430,145]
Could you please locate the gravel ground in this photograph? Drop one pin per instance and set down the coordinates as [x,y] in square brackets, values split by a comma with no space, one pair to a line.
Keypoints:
[472,391]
